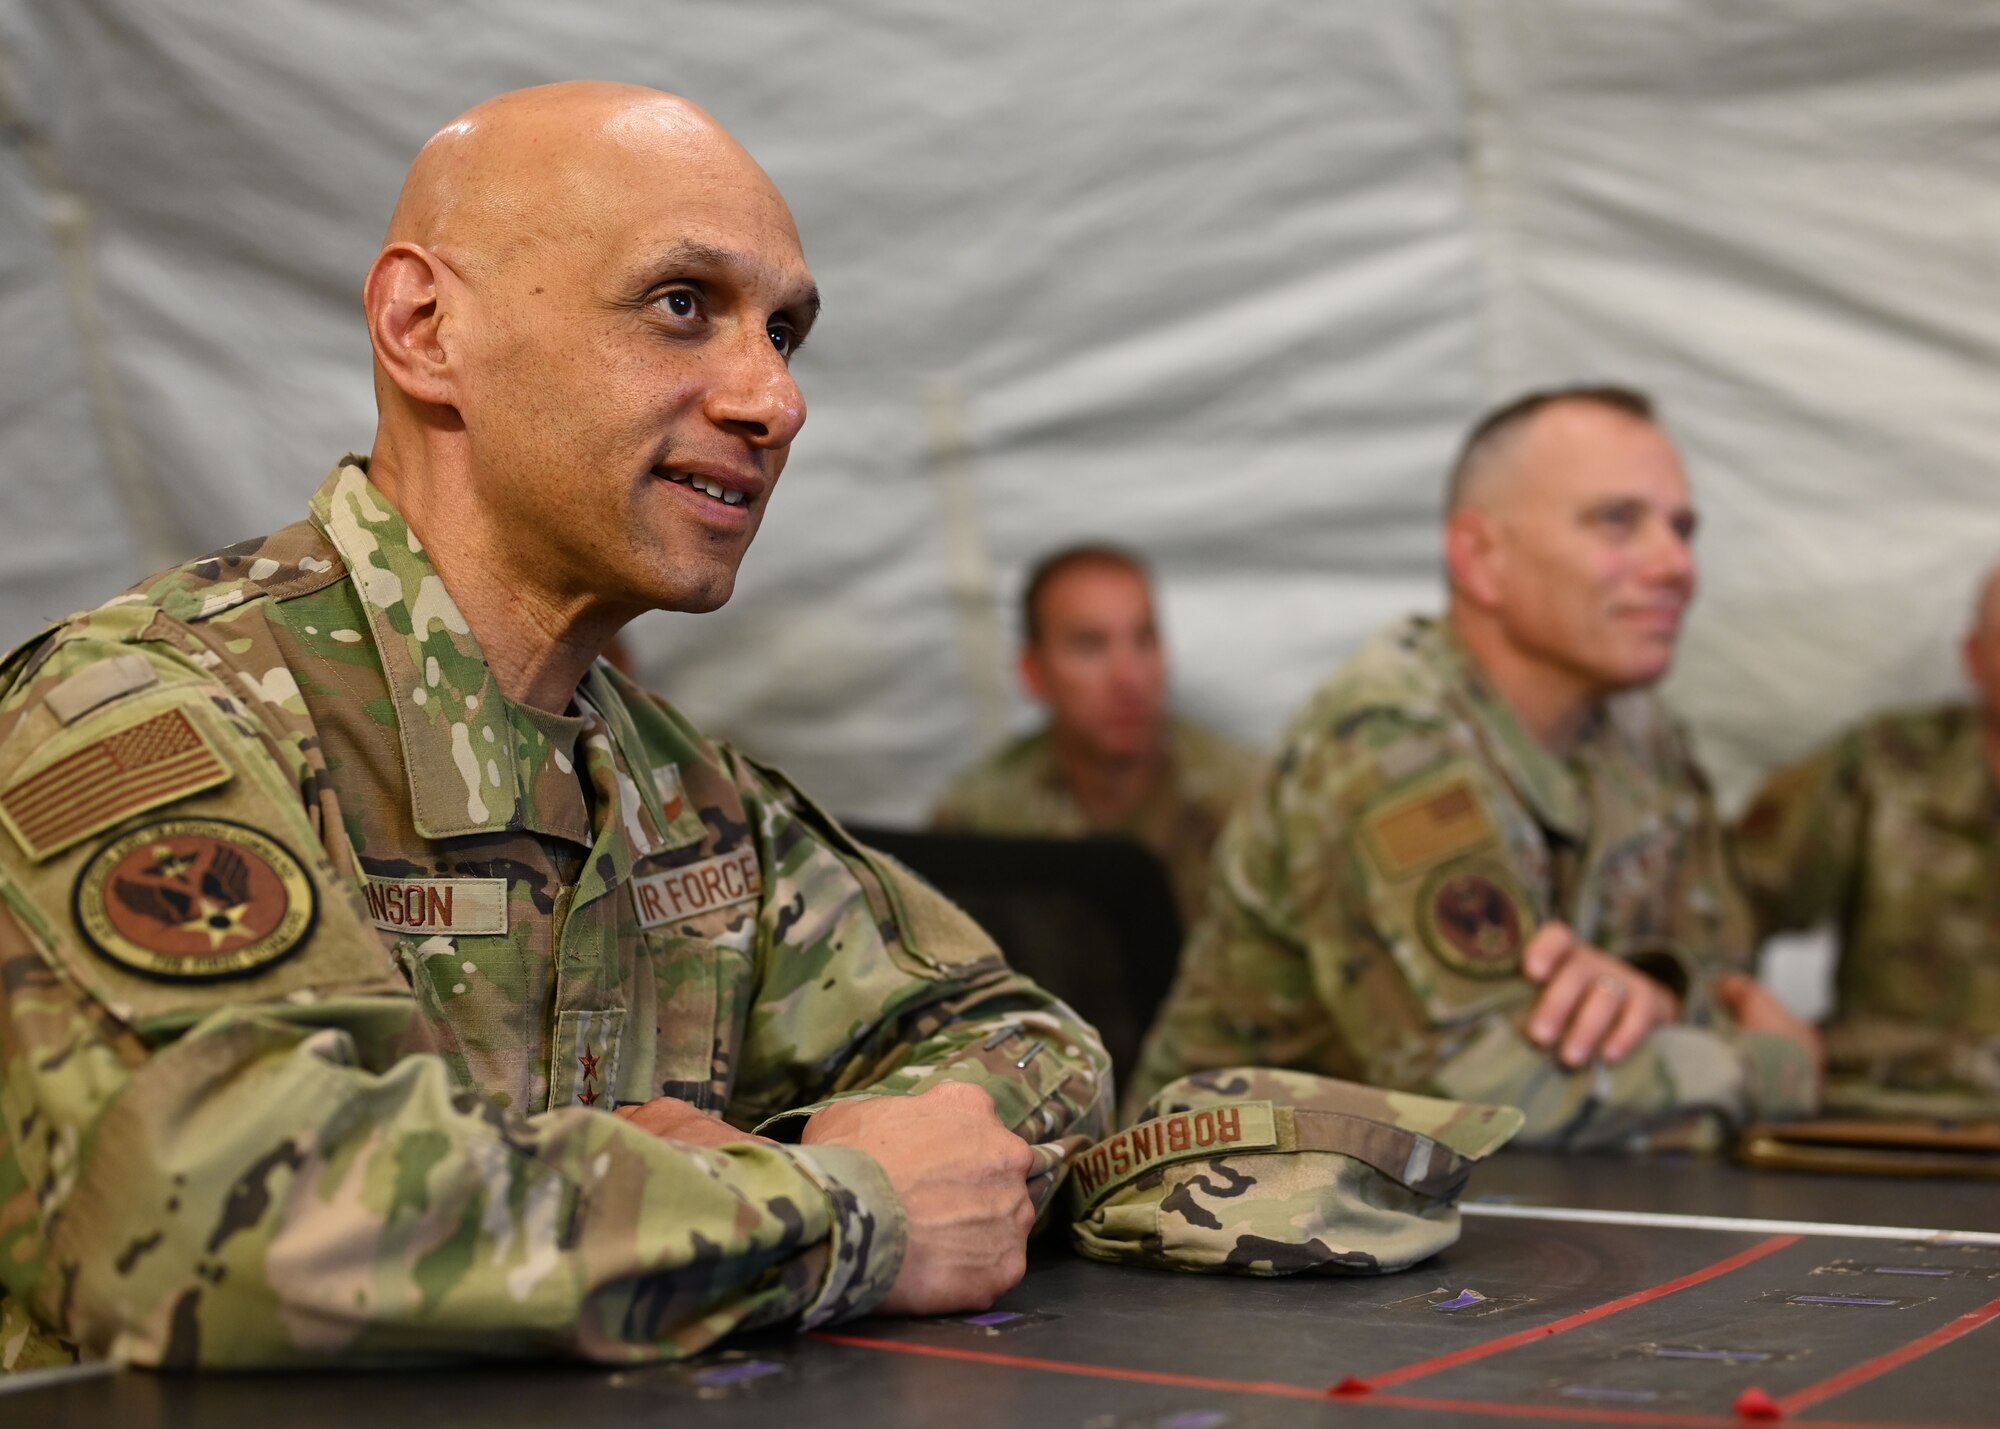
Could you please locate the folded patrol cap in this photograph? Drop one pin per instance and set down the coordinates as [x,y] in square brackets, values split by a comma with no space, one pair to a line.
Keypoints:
[1254,1171]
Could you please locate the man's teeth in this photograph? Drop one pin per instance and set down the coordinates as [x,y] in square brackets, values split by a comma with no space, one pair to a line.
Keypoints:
[708,488]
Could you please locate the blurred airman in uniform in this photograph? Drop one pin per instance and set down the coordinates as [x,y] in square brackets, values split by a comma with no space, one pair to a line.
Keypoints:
[1892,833]
[1111,759]
[1485,864]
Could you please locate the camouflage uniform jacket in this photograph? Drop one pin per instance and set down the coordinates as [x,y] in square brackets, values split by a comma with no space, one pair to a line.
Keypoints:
[1892,833]
[1020,791]
[321,963]
[1373,898]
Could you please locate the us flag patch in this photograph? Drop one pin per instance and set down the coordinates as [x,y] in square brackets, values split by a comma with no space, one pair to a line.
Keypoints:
[116,775]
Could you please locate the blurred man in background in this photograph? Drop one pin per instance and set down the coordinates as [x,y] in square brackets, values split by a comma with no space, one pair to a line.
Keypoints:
[1891,832]
[1485,863]
[1111,759]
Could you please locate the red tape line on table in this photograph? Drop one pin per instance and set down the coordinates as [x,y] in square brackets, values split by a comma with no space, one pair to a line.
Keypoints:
[1408,1372]
[1868,1369]
[1596,1414]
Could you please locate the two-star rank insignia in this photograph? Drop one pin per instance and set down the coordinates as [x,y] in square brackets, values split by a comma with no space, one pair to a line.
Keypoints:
[194,900]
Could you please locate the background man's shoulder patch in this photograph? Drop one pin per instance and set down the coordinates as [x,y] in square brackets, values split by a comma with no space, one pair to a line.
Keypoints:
[1422,829]
[123,767]
[1474,918]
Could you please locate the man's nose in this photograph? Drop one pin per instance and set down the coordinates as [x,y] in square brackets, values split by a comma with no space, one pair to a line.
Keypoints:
[1670,556]
[755,395]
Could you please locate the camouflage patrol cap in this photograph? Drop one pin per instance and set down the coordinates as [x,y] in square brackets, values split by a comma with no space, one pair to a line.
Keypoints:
[1253,1171]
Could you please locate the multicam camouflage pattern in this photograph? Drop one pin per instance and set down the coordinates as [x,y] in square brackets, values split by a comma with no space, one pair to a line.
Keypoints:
[1255,1171]
[394,1141]
[1892,833]
[1020,791]
[1330,945]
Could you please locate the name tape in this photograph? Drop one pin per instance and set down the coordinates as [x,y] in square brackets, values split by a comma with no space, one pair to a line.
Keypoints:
[438,905]
[682,893]
[1179,1136]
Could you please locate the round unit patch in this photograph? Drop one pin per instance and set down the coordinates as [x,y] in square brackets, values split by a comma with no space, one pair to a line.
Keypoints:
[1474,919]
[194,900]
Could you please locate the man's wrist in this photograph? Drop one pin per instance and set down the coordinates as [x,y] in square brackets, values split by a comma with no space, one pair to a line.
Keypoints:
[867,1236]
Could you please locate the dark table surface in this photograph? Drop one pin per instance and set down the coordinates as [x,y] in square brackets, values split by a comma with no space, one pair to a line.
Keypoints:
[1632,1324]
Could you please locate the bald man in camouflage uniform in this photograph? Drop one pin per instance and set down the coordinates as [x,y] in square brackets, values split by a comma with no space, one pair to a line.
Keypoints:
[1485,864]
[385,978]
[1892,833]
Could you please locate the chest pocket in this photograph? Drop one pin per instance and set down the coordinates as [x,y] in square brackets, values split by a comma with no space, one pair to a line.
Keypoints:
[691,992]
[1628,889]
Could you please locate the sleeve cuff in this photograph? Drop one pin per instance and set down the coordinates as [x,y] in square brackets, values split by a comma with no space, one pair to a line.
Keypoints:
[1780,1080]
[869,1233]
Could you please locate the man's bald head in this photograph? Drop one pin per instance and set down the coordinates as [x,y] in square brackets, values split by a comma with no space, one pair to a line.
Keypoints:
[1489,449]
[534,166]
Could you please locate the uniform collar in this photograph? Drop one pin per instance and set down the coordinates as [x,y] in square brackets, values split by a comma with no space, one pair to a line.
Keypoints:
[467,750]
[1547,783]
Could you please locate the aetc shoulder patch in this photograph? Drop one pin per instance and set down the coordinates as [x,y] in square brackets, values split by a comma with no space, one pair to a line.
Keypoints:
[194,900]
[1474,918]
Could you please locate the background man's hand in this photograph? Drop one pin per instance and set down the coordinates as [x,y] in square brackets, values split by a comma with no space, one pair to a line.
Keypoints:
[681,1121]
[1592,1004]
[963,1179]
[1757,1009]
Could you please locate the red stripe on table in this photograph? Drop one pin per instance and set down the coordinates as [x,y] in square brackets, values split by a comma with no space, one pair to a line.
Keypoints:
[1603,1414]
[1868,1369]
[1492,1408]
[1094,1371]
[1583,1317]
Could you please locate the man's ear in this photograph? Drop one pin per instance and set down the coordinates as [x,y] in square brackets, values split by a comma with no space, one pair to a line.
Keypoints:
[1472,556]
[1029,665]
[404,298]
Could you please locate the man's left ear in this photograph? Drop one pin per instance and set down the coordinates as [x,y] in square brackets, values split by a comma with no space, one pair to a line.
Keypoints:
[1472,556]
[1028,665]
[405,297]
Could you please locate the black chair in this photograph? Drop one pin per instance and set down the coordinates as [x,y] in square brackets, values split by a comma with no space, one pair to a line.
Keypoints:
[1092,920]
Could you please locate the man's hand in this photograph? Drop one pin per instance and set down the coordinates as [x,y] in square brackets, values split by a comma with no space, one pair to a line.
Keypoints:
[1757,1009]
[677,1120]
[963,1180]
[1592,1005]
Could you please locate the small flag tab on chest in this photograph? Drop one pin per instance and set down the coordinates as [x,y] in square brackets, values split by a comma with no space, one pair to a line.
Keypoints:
[682,893]
[451,906]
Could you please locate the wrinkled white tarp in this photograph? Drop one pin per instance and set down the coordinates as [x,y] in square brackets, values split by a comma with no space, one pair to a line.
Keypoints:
[1224,281]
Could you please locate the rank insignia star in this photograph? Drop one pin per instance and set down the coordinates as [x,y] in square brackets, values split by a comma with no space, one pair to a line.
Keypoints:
[588,1096]
[588,1061]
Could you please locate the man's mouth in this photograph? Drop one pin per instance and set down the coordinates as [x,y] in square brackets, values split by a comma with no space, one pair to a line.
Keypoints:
[707,486]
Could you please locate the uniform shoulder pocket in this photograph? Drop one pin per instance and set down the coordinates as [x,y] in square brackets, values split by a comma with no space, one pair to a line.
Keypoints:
[1444,893]
[170,865]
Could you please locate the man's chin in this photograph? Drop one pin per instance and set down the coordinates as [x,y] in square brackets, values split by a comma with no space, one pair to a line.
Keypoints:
[694,595]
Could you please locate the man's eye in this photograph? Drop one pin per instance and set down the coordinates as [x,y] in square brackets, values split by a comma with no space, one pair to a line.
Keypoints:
[783,338]
[681,302]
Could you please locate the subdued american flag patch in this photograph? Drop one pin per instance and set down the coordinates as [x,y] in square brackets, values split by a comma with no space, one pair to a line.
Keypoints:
[125,772]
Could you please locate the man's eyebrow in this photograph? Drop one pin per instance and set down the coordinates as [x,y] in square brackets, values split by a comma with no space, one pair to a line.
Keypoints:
[691,253]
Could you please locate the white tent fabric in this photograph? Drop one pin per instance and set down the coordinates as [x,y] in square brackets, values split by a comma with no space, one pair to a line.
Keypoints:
[1221,281]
